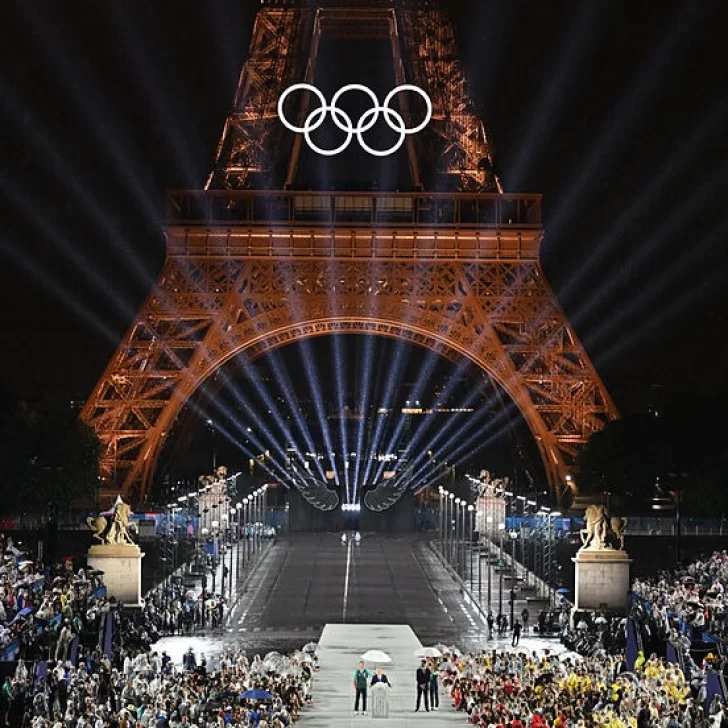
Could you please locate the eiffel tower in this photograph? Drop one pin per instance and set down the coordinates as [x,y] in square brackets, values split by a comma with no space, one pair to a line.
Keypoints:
[253,263]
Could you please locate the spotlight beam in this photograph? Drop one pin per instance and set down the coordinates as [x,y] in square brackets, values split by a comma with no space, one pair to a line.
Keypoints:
[157,98]
[691,256]
[394,376]
[678,219]
[284,380]
[86,200]
[424,424]
[684,153]
[453,440]
[648,80]
[541,118]
[340,402]
[313,379]
[664,315]
[423,379]
[81,264]
[81,85]
[364,392]
[52,285]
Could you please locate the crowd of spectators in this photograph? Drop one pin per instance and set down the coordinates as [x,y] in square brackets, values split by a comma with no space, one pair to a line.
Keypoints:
[530,690]
[44,610]
[144,689]
[692,598]
[73,674]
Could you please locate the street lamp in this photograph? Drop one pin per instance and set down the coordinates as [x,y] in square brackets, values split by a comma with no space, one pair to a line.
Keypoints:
[501,531]
[450,527]
[461,550]
[246,516]
[489,523]
[204,532]
[471,516]
[513,535]
[456,553]
[238,508]
[215,546]
[441,515]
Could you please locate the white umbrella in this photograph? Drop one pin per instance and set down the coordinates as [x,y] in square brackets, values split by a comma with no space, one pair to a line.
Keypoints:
[428,652]
[376,656]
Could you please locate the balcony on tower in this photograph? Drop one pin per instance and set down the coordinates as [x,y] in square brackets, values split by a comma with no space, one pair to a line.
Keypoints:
[253,223]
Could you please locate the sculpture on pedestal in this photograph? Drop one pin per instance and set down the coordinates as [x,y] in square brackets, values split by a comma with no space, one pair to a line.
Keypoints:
[602,532]
[116,529]
[117,556]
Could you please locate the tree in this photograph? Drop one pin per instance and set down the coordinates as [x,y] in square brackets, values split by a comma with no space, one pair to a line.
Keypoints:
[48,455]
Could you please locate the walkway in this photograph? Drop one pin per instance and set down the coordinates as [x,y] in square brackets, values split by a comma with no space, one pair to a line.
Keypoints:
[341,645]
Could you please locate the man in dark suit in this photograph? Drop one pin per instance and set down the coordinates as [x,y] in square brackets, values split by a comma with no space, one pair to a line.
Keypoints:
[423,685]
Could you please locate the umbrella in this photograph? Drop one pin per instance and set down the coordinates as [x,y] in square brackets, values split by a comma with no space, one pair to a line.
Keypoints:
[22,613]
[562,590]
[600,620]
[256,695]
[311,648]
[428,652]
[376,656]
[25,564]
[449,666]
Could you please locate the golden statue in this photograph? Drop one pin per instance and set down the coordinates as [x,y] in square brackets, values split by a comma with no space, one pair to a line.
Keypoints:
[116,529]
[602,532]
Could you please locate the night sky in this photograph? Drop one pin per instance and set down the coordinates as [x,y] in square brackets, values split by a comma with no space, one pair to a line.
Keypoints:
[615,111]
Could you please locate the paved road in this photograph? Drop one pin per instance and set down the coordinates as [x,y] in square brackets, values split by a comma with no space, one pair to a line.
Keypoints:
[309,580]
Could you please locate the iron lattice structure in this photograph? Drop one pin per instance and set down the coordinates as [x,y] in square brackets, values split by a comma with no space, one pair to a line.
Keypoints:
[251,269]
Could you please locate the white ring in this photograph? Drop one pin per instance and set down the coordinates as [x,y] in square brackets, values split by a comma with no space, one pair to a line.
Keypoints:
[343,121]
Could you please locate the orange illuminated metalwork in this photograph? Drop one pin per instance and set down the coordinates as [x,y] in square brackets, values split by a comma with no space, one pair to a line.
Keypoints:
[250,270]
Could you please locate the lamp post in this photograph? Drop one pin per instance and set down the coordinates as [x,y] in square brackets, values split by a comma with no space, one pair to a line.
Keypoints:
[463,529]
[238,508]
[204,532]
[513,535]
[489,522]
[246,516]
[450,509]
[471,516]
[441,514]
[215,545]
[501,531]
[456,541]
[230,548]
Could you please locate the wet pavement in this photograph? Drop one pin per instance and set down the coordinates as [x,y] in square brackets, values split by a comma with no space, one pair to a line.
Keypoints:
[306,581]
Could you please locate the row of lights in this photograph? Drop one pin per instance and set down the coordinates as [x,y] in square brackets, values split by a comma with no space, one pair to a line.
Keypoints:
[502,492]
[458,501]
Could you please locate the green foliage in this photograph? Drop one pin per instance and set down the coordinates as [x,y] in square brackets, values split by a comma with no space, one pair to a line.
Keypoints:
[48,455]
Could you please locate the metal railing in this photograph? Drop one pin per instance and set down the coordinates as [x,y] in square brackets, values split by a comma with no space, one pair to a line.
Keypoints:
[276,207]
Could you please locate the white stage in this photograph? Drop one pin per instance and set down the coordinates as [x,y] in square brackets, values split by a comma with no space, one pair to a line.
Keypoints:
[333,688]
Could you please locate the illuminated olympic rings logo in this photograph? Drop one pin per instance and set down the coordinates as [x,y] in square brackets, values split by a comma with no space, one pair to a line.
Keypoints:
[344,122]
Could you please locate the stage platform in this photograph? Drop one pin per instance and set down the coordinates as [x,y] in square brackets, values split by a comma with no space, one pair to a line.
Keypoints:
[341,645]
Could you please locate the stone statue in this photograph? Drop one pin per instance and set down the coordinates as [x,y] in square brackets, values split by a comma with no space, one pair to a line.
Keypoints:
[116,529]
[618,525]
[602,532]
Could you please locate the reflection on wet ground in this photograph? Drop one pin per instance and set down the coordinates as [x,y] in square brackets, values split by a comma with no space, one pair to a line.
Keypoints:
[309,580]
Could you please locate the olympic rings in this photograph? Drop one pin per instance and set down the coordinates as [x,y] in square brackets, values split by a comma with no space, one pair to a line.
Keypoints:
[344,122]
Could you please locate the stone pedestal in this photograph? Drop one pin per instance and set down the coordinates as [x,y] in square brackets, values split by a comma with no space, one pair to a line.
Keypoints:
[122,567]
[602,580]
